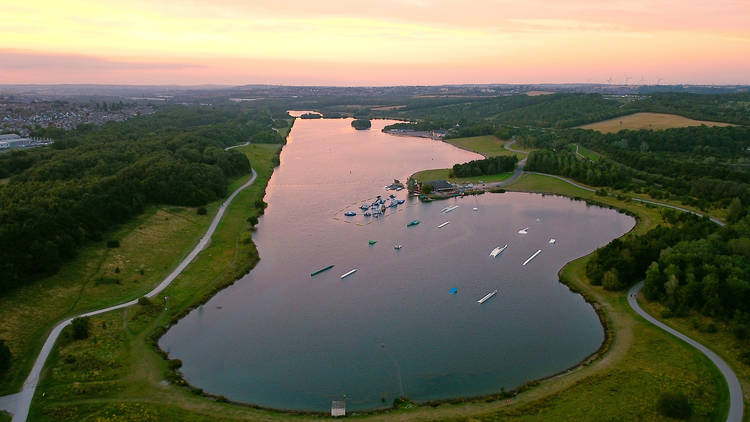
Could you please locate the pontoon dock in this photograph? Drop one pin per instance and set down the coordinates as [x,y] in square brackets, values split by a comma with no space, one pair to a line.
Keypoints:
[443,224]
[489,295]
[532,257]
[349,273]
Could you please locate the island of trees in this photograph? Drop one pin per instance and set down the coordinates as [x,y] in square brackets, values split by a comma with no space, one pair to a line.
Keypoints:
[361,124]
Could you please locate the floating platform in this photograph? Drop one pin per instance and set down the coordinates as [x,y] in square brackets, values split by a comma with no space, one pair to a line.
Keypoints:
[532,257]
[347,274]
[449,209]
[321,270]
[498,250]
[487,296]
[443,224]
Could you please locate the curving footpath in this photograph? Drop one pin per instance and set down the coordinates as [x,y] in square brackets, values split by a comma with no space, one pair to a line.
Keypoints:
[18,404]
[736,402]
[735,390]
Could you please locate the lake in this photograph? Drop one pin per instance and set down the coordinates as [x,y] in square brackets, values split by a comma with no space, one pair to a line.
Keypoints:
[280,338]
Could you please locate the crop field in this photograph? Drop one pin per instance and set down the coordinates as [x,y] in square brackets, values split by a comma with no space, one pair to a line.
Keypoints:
[647,121]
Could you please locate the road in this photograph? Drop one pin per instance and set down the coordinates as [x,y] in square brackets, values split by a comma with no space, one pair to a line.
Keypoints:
[18,404]
[735,390]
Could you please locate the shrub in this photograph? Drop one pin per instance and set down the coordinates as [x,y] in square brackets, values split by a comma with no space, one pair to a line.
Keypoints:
[202,211]
[5,356]
[253,220]
[144,301]
[113,244]
[80,328]
[745,358]
[674,405]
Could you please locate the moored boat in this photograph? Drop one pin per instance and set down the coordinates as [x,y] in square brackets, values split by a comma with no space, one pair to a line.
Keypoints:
[498,250]
[347,274]
[412,223]
[321,270]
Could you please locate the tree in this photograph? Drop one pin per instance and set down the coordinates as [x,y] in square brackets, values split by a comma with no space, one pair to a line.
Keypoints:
[610,280]
[735,210]
[5,357]
[80,328]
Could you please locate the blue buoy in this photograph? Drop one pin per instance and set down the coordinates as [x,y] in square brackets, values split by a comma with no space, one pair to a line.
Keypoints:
[454,291]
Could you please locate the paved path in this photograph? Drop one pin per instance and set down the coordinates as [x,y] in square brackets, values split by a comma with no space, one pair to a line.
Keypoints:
[18,404]
[736,402]
[735,390]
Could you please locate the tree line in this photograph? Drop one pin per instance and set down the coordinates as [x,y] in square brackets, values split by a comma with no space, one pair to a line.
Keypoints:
[60,198]
[492,165]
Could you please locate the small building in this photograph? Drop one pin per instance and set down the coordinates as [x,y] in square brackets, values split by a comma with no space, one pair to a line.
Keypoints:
[439,185]
[338,408]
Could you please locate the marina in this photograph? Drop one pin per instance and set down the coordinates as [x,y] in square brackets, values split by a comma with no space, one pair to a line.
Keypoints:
[532,257]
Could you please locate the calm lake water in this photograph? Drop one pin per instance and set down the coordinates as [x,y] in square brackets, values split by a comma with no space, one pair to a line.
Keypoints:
[281,338]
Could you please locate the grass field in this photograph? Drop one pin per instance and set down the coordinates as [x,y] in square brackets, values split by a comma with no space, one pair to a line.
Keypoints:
[116,376]
[647,121]
[721,341]
[444,174]
[488,145]
[150,246]
[585,152]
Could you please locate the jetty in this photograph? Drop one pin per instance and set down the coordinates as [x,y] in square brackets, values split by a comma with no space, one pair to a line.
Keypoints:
[487,296]
[321,270]
[347,274]
[532,257]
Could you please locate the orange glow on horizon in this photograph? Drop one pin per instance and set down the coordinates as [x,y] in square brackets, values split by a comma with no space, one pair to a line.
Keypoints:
[393,42]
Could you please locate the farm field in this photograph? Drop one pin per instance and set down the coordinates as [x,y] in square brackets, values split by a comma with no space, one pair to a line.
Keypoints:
[647,121]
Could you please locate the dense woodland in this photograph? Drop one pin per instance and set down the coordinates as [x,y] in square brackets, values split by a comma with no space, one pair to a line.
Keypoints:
[492,165]
[59,198]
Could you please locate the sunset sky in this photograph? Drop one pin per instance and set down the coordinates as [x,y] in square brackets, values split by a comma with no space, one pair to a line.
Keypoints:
[381,42]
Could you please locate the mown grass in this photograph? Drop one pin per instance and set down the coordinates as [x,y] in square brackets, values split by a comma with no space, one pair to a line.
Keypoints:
[150,246]
[487,145]
[654,121]
[4,416]
[585,152]
[717,335]
[444,174]
[117,375]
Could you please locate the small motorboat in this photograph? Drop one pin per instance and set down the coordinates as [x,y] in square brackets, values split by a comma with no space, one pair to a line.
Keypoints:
[350,213]
[524,231]
[476,209]
[397,247]
[552,241]
[412,223]
[498,250]
[453,290]
[364,207]
[367,214]
[392,196]
[372,242]
[400,201]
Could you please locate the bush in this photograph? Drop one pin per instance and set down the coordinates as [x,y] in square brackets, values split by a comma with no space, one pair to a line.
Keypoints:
[253,220]
[5,357]
[202,211]
[144,301]
[674,405]
[745,358]
[80,328]
[113,244]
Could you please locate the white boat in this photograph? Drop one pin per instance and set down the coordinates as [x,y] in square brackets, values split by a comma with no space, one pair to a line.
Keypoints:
[487,296]
[449,209]
[349,273]
[552,241]
[397,247]
[524,231]
[498,250]
[532,257]
[444,224]
[476,209]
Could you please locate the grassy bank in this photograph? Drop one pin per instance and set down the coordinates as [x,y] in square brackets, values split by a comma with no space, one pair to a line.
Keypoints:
[488,145]
[444,174]
[151,245]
